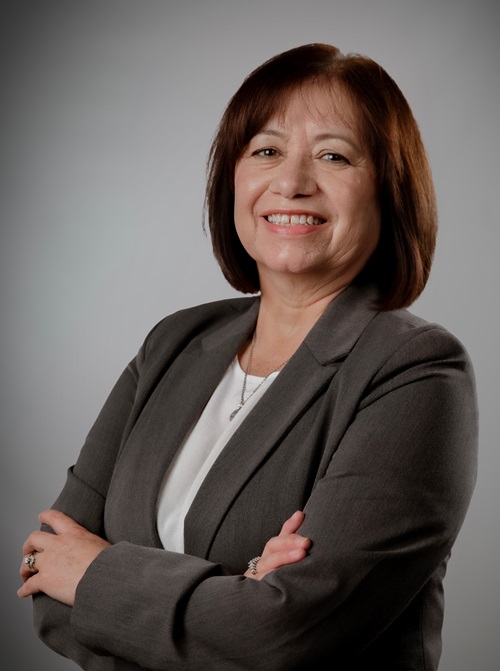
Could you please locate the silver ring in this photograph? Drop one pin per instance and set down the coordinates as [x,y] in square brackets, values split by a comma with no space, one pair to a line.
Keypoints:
[252,565]
[30,560]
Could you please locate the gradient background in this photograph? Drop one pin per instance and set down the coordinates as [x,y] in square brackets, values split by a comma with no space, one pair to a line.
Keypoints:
[107,112]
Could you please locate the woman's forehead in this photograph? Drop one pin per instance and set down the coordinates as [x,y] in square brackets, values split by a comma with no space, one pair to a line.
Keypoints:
[325,104]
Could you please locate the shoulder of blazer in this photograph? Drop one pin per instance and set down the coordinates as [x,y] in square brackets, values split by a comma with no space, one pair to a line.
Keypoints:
[393,330]
[201,319]
[396,342]
[185,327]
[354,323]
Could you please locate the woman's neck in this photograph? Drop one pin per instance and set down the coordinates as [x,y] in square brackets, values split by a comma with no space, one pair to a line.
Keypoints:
[285,318]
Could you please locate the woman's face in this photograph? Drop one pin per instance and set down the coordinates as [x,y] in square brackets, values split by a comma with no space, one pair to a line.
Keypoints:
[306,202]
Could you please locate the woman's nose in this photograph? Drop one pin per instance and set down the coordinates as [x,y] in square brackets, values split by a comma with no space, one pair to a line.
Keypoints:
[293,178]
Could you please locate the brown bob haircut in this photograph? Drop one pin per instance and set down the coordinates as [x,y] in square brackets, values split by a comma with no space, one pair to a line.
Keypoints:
[401,263]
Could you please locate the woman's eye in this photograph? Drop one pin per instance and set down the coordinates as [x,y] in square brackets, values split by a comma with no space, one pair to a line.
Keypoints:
[267,151]
[334,158]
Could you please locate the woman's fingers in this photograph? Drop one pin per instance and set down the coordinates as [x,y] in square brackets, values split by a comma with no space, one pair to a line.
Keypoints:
[32,548]
[38,540]
[34,541]
[54,563]
[58,521]
[286,548]
[292,523]
[30,586]
[294,551]
[26,571]
[285,543]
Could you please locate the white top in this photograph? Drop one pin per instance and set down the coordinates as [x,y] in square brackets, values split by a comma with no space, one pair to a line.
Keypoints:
[202,446]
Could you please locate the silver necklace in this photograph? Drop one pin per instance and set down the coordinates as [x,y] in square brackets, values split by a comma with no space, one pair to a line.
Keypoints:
[243,400]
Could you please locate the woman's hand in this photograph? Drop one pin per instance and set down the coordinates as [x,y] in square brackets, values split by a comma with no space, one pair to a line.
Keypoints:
[60,559]
[286,548]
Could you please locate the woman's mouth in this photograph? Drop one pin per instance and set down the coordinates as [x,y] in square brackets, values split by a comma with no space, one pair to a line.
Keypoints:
[294,220]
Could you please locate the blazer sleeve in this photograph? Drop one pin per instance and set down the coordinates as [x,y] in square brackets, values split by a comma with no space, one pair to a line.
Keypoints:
[382,520]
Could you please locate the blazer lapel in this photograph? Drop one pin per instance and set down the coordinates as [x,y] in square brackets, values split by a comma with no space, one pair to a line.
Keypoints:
[179,399]
[309,370]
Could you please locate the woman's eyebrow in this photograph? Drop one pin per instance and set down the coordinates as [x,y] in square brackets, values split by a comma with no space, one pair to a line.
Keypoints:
[321,137]
[271,132]
[335,136]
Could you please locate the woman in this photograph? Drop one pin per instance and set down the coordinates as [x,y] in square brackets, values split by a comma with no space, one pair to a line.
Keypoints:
[322,395]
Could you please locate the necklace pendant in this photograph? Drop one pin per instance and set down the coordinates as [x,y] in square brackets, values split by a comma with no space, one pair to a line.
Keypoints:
[235,412]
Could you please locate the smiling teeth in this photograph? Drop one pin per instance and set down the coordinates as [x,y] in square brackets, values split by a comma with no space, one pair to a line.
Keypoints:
[294,220]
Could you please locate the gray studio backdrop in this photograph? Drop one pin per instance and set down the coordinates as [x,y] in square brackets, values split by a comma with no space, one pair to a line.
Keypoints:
[108,108]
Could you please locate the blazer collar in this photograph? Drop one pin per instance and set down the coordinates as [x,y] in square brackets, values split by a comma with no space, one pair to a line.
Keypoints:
[342,323]
[331,338]
[236,330]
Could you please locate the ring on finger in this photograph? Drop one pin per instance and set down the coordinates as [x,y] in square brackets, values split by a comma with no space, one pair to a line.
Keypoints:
[252,565]
[30,560]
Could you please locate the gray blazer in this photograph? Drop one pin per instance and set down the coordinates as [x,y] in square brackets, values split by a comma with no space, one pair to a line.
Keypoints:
[371,429]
